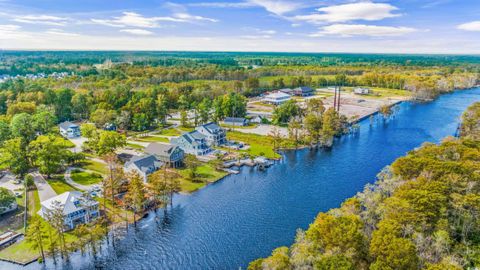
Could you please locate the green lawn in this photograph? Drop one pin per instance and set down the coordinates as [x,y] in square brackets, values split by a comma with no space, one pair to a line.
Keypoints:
[135,146]
[59,185]
[169,132]
[95,166]
[86,178]
[152,139]
[383,92]
[186,129]
[206,174]
[259,145]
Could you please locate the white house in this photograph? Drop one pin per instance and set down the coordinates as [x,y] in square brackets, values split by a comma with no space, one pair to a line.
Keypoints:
[361,91]
[214,134]
[276,98]
[143,165]
[193,143]
[77,209]
[69,130]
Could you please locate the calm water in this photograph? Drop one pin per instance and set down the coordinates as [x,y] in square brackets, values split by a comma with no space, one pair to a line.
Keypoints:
[245,216]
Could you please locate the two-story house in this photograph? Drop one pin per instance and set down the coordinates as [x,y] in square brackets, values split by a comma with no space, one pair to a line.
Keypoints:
[76,208]
[143,165]
[214,134]
[193,143]
[170,154]
[69,130]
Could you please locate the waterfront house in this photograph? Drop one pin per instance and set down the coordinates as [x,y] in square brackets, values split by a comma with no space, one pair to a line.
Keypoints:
[276,98]
[193,143]
[214,134]
[69,130]
[288,91]
[236,121]
[77,209]
[169,154]
[303,91]
[143,165]
[361,91]
[11,207]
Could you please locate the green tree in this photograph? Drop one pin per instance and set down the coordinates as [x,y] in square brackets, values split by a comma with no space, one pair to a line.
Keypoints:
[22,126]
[135,194]
[44,121]
[283,113]
[14,157]
[192,164]
[35,235]
[6,198]
[48,153]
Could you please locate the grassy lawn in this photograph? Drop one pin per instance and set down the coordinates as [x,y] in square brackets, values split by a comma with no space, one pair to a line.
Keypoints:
[383,92]
[186,129]
[259,145]
[95,166]
[169,132]
[152,139]
[33,203]
[86,178]
[135,146]
[59,185]
[206,174]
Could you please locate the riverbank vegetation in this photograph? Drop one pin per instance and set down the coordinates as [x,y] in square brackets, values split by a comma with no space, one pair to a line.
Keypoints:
[421,213]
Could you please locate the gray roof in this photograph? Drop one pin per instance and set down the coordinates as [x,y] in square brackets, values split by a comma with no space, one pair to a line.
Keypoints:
[143,161]
[160,149]
[66,125]
[235,119]
[71,201]
[304,89]
[212,127]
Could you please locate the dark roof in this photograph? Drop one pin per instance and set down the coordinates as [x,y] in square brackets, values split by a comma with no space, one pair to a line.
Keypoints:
[67,124]
[212,127]
[304,89]
[143,161]
[160,149]
[235,119]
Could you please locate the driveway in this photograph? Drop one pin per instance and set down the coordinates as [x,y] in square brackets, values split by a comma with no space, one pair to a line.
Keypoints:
[69,180]
[78,144]
[263,130]
[7,182]
[45,191]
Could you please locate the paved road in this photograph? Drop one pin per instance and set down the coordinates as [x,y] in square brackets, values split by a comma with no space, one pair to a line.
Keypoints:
[263,130]
[7,182]
[45,191]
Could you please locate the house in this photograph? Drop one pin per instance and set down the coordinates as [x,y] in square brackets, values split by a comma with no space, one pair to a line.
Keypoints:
[193,143]
[169,154]
[257,119]
[143,165]
[214,134]
[288,91]
[11,207]
[77,209]
[361,91]
[276,98]
[69,130]
[303,91]
[109,127]
[236,121]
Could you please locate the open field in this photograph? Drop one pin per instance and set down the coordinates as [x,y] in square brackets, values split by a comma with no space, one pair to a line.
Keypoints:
[95,166]
[86,178]
[59,185]
[206,174]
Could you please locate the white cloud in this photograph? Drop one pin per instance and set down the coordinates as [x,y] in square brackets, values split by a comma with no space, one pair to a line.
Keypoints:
[367,11]
[10,31]
[139,32]
[471,26]
[278,7]
[363,30]
[132,19]
[223,5]
[41,19]
[60,32]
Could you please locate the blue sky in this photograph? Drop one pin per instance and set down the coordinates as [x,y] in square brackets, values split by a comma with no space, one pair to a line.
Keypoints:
[395,26]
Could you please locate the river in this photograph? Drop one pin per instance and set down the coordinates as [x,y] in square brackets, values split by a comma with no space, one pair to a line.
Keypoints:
[246,216]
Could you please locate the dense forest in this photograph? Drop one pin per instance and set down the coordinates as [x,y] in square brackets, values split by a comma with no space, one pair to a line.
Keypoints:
[421,213]
[136,90]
